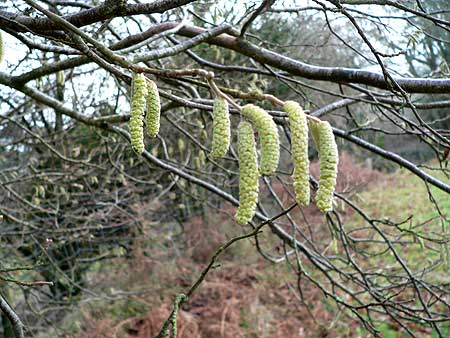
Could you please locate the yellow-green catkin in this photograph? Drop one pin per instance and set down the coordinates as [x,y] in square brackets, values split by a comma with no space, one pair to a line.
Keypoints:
[329,158]
[299,149]
[248,177]
[60,78]
[136,123]
[181,145]
[268,133]
[221,128]
[153,109]
[200,160]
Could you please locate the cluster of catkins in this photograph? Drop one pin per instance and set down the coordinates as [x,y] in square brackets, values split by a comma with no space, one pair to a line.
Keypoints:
[248,158]
[328,156]
[270,154]
[144,94]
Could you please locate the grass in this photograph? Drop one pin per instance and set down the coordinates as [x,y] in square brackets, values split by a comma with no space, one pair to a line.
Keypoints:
[403,196]
[404,199]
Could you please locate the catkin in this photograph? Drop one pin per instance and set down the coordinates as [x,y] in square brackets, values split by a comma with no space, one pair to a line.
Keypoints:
[181,145]
[60,78]
[299,149]
[329,158]
[221,128]
[248,179]
[268,132]
[201,158]
[136,124]
[153,109]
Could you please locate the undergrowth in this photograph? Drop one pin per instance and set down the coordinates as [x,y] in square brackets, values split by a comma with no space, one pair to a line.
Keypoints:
[246,296]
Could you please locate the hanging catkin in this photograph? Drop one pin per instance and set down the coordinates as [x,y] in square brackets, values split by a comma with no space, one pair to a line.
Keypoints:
[60,78]
[201,159]
[221,128]
[136,123]
[153,109]
[329,158]
[248,174]
[299,149]
[268,133]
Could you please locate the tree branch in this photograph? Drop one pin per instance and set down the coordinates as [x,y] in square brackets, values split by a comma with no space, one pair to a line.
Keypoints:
[13,317]
[89,16]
